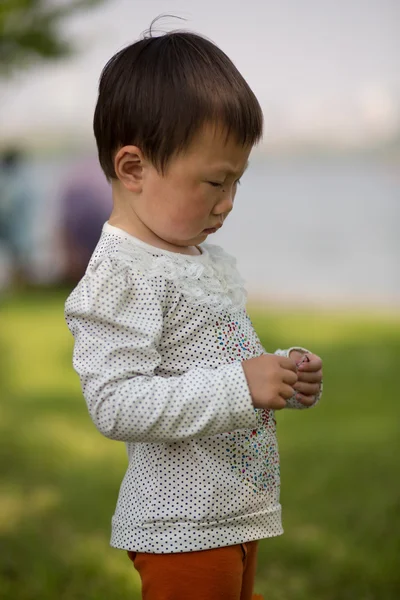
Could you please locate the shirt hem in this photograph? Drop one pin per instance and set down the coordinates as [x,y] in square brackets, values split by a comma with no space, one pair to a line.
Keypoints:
[186,537]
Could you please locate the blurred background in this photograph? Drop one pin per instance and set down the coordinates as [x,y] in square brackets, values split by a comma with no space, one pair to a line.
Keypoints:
[316,233]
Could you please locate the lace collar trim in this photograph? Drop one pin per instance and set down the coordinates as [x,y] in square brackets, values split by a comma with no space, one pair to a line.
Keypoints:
[211,279]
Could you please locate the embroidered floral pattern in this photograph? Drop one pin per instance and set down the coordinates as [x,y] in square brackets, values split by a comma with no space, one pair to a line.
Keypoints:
[253,454]
[258,462]
[236,337]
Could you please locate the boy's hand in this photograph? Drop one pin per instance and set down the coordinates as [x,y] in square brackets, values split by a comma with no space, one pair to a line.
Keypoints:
[309,374]
[270,379]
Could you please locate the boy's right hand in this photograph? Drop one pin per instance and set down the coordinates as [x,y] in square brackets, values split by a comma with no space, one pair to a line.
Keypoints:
[270,379]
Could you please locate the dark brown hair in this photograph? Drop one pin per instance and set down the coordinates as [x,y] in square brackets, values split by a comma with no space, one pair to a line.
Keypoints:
[158,92]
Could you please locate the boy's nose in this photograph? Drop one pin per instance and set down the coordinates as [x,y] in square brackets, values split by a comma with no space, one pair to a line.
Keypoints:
[225,205]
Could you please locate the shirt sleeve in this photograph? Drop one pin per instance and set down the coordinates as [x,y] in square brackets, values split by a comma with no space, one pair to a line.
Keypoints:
[292,402]
[116,319]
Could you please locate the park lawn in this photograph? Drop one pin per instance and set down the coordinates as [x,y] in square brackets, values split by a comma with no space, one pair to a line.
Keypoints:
[340,475]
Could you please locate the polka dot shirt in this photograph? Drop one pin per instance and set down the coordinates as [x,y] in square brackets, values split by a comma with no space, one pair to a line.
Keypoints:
[159,340]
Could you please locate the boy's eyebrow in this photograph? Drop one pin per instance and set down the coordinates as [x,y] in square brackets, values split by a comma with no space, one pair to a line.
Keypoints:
[227,169]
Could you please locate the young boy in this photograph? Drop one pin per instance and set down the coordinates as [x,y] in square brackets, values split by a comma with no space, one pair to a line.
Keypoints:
[168,359]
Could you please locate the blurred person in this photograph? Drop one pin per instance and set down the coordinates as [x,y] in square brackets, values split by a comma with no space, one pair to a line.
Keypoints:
[86,203]
[16,215]
[167,356]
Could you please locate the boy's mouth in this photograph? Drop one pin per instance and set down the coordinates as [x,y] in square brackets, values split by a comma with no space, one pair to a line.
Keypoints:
[212,229]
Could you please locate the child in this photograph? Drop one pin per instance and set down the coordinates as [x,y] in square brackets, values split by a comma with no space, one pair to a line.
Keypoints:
[168,359]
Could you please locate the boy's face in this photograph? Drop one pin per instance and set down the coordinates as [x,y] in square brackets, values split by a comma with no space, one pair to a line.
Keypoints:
[195,194]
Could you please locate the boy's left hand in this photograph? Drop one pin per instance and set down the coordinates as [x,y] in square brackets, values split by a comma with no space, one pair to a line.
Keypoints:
[309,377]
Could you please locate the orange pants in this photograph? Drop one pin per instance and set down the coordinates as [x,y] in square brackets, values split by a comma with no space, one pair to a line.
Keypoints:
[218,574]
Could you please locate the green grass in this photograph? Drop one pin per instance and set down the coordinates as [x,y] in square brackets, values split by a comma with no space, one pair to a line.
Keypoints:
[340,465]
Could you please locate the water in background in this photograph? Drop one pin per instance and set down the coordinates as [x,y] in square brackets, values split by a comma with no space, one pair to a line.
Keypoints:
[318,231]
[321,231]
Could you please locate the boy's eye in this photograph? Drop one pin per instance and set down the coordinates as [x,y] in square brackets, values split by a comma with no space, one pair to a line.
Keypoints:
[215,183]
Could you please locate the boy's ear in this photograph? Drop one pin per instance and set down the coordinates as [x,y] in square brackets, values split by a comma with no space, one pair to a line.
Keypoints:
[129,164]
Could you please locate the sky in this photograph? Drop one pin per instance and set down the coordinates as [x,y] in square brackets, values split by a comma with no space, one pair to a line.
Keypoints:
[322,68]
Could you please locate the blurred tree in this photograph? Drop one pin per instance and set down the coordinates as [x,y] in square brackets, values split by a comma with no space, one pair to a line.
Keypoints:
[29,31]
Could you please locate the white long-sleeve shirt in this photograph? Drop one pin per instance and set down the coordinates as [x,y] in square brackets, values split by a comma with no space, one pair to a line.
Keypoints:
[159,341]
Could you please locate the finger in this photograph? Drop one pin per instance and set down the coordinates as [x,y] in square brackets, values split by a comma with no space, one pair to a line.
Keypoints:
[289,377]
[296,356]
[315,364]
[286,391]
[306,400]
[279,403]
[310,377]
[303,359]
[288,363]
[307,389]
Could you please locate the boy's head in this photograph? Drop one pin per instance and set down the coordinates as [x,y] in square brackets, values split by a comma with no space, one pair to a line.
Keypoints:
[158,93]
[175,123]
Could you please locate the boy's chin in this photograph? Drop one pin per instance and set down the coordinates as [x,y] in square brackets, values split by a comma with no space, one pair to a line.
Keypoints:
[196,239]
[200,238]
